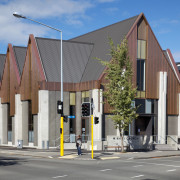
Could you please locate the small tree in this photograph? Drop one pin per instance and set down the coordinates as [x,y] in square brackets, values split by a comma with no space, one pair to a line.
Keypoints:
[119,91]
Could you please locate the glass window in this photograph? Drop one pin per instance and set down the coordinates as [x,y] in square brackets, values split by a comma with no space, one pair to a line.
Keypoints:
[85,96]
[140,75]
[72,109]
[141,49]
[72,98]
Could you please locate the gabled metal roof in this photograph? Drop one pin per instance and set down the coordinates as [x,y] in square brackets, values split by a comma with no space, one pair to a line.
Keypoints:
[20,54]
[172,63]
[116,32]
[75,58]
[2,61]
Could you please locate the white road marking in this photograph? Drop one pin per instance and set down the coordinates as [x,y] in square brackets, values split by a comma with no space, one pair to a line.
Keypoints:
[103,170]
[59,176]
[156,164]
[137,176]
[171,170]
[107,158]
[50,157]
[130,158]
[138,166]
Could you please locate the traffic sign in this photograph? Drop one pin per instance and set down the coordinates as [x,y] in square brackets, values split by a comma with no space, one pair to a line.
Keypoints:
[71,117]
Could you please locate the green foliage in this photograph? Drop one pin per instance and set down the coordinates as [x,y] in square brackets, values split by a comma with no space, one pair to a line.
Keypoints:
[119,91]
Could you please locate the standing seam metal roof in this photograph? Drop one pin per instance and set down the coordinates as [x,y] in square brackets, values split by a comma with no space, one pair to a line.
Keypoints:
[75,58]
[116,32]
[20,55]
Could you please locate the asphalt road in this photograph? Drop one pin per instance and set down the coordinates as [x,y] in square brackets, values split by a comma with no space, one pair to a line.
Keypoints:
[28,168]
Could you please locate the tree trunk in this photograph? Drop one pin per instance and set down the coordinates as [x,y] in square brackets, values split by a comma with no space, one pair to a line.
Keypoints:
[122,142]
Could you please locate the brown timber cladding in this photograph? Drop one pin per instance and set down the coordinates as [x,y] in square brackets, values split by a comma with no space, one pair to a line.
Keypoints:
[156,62]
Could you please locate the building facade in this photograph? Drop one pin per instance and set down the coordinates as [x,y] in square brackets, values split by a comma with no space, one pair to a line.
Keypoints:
[30,87]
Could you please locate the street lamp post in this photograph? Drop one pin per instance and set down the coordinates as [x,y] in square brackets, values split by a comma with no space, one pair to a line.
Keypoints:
[17,15]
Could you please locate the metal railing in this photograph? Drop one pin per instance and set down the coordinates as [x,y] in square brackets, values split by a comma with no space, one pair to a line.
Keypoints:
[71,139]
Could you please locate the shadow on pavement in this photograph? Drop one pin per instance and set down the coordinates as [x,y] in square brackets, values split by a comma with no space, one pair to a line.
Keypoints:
[10,161]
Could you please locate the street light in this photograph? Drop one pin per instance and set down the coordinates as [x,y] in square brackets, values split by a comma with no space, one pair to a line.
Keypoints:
[17,15]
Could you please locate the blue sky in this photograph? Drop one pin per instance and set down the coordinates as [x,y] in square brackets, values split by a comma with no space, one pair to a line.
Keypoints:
[77,17]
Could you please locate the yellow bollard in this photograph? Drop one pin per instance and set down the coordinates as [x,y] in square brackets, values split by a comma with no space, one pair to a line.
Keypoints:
[62,138]
[92,135]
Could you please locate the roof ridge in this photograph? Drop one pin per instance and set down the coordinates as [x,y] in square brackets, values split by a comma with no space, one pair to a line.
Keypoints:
[65,40]
[104,27]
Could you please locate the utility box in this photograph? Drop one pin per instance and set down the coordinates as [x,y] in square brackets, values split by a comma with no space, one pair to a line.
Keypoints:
[20,144]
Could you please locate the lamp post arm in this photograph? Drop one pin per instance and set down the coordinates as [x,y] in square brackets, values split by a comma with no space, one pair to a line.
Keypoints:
[42,24]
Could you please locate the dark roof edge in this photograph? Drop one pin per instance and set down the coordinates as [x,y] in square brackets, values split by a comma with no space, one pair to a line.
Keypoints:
[19,47]
[65,40]
[105,27]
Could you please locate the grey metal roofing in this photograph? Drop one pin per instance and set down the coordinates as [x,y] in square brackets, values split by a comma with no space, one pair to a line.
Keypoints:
[75,58]
[2,61]
[20,54]
[117,32]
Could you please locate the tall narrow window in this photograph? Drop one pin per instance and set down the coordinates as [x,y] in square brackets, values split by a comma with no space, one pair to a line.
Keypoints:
[141,59]
[30,124]
[9,125]
[72,112]
[85,96]
[141,75]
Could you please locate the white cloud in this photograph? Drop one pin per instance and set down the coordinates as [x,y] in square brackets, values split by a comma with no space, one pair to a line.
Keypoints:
[165,21]
[16,31]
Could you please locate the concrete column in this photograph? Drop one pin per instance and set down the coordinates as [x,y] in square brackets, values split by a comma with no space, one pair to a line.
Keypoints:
[162,107]
[3,123]
[43,120]
[13,131]
[78,113]
[35,119]
[96,100]
[21,120]
[179,119]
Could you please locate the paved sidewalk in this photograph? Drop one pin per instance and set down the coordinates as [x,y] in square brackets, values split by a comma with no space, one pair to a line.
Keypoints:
[86,155]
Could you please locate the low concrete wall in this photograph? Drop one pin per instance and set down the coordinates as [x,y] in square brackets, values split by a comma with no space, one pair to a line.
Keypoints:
[135,142]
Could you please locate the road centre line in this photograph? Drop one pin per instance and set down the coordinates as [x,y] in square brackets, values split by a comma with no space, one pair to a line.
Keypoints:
[59,176]
[103,170]
[138,166]
[171,170]
[154,164]
[137,176]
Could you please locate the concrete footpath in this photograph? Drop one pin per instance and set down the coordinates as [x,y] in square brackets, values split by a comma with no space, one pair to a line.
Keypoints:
[86,155]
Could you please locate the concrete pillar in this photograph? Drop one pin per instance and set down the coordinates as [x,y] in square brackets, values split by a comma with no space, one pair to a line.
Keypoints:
[97,112]
[13,131]
[43,120]
[3,123]
[162,107]
[21,120]
[78,113]
[179,119]
[35,120]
